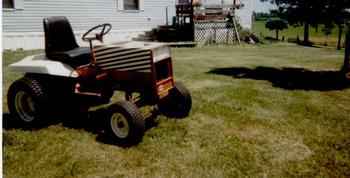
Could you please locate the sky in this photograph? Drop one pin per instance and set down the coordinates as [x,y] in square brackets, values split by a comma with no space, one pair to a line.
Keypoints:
[262,6]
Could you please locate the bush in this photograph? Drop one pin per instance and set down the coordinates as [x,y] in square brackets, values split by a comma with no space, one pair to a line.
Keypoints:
[276,24]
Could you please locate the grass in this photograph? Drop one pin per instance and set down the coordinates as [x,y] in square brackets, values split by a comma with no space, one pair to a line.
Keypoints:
[317,37]
[254,115]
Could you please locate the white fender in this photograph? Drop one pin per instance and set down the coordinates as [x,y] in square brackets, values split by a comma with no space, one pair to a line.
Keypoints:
[40,64]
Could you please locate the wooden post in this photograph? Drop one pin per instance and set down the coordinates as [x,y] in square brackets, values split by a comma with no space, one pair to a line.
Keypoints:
[192,22]
[166,16]
[236,33]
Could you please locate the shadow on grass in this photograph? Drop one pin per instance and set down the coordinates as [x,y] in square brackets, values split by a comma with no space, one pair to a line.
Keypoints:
[93,122]
[289,78]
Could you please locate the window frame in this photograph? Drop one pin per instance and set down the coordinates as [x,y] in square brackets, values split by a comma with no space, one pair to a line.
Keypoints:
[17,5]
[121,6]
[9,8]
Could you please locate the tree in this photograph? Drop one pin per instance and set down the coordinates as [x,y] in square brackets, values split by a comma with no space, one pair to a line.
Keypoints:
[301,12]
[337,13]
[277,25]
[327,30]
[346,65]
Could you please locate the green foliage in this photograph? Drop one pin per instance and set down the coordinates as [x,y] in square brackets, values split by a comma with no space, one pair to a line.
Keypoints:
[300,11]
[277,24]
[306,12]
[337,13]
[263,15]
[316,37]
[327,29]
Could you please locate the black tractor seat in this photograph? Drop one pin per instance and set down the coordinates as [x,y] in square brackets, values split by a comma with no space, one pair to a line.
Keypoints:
[60,43]
[74,58]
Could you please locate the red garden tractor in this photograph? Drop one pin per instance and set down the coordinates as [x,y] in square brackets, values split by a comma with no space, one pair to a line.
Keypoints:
[68,78]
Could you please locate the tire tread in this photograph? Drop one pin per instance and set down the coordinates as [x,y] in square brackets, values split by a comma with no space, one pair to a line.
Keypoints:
[134,116]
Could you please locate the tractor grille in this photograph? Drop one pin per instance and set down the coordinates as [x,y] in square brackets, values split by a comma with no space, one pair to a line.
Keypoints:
[122,59]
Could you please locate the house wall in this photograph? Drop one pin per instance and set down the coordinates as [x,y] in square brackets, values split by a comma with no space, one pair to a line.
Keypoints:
[22,28]
[245,14]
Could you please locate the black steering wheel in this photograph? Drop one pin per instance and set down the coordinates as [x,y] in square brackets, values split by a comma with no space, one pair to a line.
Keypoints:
[105,28]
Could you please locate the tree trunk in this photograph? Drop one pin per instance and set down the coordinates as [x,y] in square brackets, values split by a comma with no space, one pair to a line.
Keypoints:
[346,65]
[277,34]
[306,33]
[340,34]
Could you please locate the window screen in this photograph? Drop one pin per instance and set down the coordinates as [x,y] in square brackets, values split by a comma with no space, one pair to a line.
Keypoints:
[131,5]
[8,4]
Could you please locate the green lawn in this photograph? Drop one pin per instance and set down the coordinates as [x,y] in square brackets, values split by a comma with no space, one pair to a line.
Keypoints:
[319,38]
[258,111]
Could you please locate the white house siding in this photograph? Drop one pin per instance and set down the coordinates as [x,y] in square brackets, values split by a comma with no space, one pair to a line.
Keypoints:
[24,29]
[245,14]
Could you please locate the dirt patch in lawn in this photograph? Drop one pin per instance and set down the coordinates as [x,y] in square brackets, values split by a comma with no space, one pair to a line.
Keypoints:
[276,147]
[289,150]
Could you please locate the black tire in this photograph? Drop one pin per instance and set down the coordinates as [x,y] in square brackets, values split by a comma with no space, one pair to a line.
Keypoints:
[28,102]
[121,115]
[347,76]
[178,103]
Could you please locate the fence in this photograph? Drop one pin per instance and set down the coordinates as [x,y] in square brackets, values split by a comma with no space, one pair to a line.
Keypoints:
[214,32]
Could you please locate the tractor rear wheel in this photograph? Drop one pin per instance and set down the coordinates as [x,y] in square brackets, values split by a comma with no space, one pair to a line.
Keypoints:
[27,101]
[125,123]
[178,103]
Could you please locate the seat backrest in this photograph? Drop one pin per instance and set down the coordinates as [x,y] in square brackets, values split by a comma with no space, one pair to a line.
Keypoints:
[59,36]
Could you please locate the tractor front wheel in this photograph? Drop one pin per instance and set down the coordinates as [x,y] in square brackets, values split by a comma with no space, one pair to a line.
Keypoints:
[125,124]
[178,103]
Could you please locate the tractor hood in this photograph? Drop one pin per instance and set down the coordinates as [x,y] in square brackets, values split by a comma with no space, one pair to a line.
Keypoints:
[160,51]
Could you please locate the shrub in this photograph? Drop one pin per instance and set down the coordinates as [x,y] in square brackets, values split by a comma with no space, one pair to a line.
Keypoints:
[276,24]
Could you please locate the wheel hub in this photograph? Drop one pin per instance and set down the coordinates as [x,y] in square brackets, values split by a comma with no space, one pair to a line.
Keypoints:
[24,105]
[120,125]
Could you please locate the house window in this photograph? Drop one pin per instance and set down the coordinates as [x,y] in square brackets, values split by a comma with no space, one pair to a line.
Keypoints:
[131,5]
[8,4]
[13,4]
